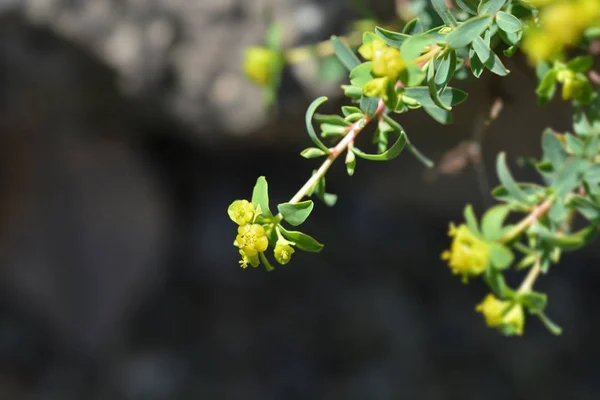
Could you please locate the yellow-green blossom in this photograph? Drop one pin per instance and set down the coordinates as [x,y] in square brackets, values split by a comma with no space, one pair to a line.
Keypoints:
[502,314]
[251,239]
[388,62]
[261,65]
[377,87]
[468,255]
[241,212]
[283,253]
[368,50]
[254,261]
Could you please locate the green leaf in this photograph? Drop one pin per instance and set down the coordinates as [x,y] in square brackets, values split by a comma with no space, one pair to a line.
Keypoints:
[508,23]
[312,152]
[360,75]
[493,220]
[308,120]
[549,324]
[532,191]
[412,75]
[442,116]
[500,256]
[451,96]
[273,37]
[508,181]
[495,280]
[349,110]
[260,196]
[413,47]
[266,262]
[331,69]
[581,63]
[490,6]
[296,213]
[535,302]
[392,38]
[369,104]
[344,53]
[303,241]
[445,14]
[353,92]
[331,119]
[471,220]
[553,150]
[566,242]
[468,31]
[468,6]
[489,58]
[547,87]
[445,70]
[570,176]
[476,65]
[591,147]
[387,155]
[587,208]
[433,90]
[574,144]
[413,27]
[350,161]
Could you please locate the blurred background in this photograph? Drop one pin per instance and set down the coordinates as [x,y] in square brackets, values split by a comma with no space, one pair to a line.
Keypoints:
[127,128]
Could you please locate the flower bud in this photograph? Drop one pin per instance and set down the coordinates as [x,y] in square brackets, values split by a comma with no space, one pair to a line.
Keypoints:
[388,62]
[283,253]
[507,316]
[468,255]
[377,87]
[368,50]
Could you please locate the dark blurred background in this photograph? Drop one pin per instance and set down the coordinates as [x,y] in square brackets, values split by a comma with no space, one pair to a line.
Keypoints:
[127,128]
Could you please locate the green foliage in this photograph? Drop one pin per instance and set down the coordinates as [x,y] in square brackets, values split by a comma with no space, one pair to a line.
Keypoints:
[413,68]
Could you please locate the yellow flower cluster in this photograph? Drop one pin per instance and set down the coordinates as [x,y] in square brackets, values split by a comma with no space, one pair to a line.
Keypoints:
[468,255]
[251,237]
[261,65]
[387,65]
[502,314]
[561,25]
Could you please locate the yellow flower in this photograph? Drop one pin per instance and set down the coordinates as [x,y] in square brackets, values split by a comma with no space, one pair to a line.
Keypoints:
[241,212]
[254,261]
[468,255]
[368,50]
[388,62]
[377,87]
[251,239]
[261,64]
[502,314]
[283,253]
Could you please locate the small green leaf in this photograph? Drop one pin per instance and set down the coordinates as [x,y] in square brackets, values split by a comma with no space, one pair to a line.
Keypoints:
[574,144]
[331,119]
[532,191]
[570,176]
[450,96]
[490,6]
[350,161]
[349,110]
[442,116]
[587,208]
[369,104]
[413,27]
[303,241]
[413,47]
[445,14]
[500,256]
[344,53]
[581,63]
[471,220]
[433,90]
[468,31]
[392,38]
[360,75]
[296,214]
[476,65]
[308,120]
[445,70]
[353,92]
[553,150]
[414,151]
[535,302]
[493,220]
[508,23]
[468,6]
[489,58]
[495,280]
[260,196]
[387,155]
[566,242]
[312,152]
[508,181]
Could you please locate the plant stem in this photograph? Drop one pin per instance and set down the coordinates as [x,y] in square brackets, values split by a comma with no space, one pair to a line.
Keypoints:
[531,277]
[355,129]
[526,222]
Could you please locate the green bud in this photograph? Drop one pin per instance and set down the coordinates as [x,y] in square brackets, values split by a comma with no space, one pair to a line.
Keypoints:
[283,253]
